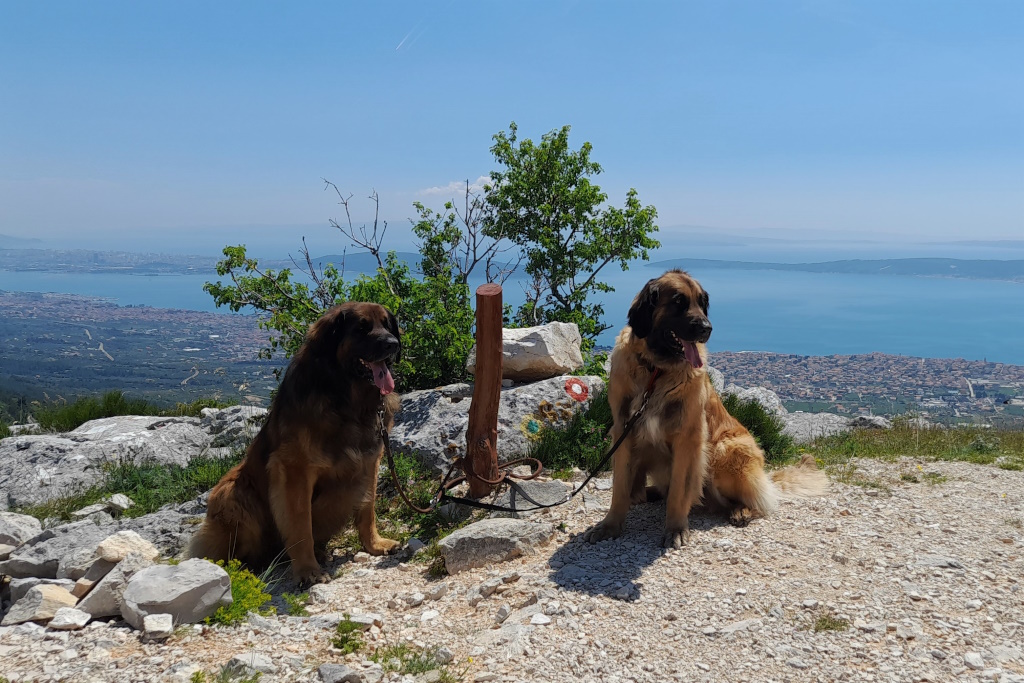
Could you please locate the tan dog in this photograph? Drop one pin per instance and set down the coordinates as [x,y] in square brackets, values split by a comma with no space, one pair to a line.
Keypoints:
[313,466]
[686,442]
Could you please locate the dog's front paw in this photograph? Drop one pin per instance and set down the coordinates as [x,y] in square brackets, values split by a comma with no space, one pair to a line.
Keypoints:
[604,531]
[308,576]
[676,538]
[381,546]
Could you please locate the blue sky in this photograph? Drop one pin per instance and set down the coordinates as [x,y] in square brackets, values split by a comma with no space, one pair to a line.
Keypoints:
[184,124]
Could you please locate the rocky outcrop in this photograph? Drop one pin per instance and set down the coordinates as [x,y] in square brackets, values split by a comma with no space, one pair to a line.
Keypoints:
[766,397]
[58,552]
[536,353]
[802,427]
[431,424]
[37,468]
[806,427]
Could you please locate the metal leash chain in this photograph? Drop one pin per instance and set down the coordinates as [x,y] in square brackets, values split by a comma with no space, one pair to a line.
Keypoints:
[441,494]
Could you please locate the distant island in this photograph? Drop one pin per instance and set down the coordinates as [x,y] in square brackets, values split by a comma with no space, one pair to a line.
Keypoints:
[922,267]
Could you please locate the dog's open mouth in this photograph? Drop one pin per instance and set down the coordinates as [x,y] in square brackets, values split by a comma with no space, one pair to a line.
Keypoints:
[690,351]
[380,374]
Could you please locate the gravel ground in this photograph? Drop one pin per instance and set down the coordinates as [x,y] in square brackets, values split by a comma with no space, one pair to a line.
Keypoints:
[926,575]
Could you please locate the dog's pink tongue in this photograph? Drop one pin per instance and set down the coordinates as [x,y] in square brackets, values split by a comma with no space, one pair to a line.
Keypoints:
[382,378]
[693,355]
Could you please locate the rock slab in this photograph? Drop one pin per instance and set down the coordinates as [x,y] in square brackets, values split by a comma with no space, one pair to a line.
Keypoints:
[117,547]
[493,540]
[39,604]
[57,552]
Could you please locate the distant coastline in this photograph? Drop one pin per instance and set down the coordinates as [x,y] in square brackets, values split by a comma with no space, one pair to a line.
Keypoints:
[972,269]
[72,261]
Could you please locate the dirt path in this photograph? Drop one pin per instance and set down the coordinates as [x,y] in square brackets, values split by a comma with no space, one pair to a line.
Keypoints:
[927,576]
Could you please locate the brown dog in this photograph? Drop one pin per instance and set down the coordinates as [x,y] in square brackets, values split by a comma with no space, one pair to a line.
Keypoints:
[313,466]
[686,442]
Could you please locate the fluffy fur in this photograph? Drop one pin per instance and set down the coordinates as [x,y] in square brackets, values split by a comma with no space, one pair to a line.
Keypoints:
[686,444]
[312,467]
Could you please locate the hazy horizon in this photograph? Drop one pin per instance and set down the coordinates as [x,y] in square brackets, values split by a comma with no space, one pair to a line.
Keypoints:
[126,121]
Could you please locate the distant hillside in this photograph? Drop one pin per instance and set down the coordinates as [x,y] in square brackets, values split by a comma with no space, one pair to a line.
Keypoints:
[358,262]
[923,267]
[12,241]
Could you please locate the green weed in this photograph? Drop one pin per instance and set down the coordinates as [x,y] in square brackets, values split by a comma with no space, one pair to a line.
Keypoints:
[348,636]
[403,659]
[296,603]
[827,622]
[224,676]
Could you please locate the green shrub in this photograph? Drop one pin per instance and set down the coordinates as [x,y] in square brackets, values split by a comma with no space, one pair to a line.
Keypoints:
[248,593]
[581,442]
[765,426]
[64,417]
[4,431]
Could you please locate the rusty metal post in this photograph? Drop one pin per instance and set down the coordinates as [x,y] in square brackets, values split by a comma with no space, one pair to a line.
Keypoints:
[482,431]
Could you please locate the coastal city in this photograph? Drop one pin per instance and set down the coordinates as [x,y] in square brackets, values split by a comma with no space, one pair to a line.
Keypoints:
[72,345]
[881,383]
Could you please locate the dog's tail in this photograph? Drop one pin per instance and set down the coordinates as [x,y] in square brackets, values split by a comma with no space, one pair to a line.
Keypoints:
[800,481]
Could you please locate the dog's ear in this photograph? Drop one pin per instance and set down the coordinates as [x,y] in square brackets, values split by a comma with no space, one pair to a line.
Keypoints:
[641,314]
[704,301]
[328,331]
[397,331]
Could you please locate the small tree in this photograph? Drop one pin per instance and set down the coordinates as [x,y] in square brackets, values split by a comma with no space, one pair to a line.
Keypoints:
[542,200]
[540,213]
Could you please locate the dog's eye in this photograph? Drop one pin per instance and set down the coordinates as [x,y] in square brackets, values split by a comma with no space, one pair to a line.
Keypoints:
[681,301]
[364,325]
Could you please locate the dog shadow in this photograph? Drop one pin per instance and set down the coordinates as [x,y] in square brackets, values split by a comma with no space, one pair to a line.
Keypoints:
[614,568]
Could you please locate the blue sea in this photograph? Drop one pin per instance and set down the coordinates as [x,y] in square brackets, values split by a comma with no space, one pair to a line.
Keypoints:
[785,312]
